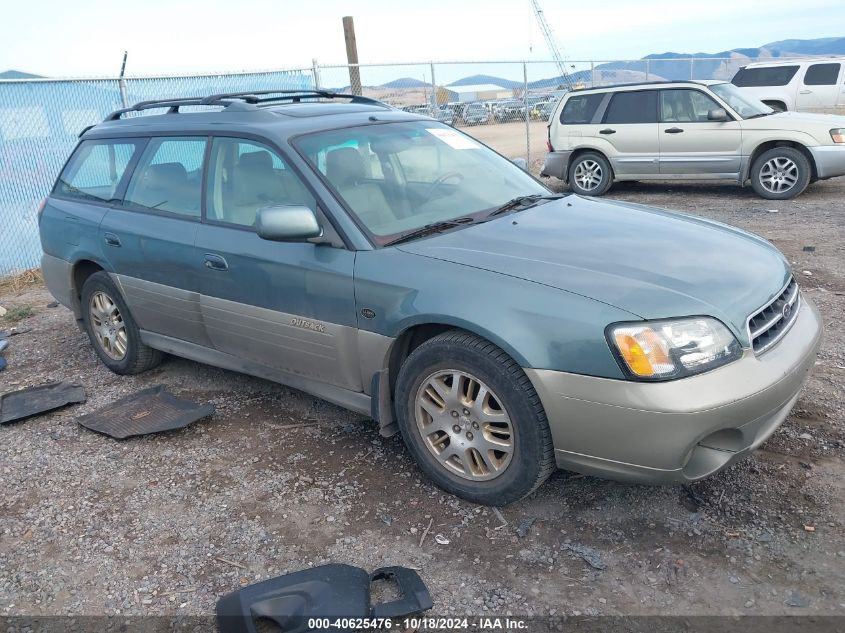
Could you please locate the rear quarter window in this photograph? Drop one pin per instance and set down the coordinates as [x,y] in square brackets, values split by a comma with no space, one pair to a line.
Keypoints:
[96,169]
[580,109]
[822,75]
[758,77]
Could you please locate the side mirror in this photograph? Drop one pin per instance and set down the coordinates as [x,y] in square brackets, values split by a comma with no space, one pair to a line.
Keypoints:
[287,224]
[521,163]
[717,114]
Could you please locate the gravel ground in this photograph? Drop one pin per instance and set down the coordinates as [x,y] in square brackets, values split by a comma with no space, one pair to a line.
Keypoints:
[166,524]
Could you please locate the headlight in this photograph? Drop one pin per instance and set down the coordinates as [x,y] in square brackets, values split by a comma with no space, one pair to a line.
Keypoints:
[838,135]
[663,350]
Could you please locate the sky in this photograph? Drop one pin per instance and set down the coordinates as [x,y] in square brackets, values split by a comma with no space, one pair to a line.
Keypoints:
[73,38]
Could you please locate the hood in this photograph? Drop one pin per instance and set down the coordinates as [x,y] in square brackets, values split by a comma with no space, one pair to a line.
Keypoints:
[796,121]
[649,262]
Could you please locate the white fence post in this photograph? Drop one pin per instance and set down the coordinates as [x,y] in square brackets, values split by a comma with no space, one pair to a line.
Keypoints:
[527,114]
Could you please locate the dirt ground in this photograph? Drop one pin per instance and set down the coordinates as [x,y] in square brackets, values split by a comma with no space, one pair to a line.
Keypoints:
[166,524]
[509,138]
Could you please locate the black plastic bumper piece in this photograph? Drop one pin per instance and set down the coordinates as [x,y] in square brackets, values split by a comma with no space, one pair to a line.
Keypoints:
[326,592]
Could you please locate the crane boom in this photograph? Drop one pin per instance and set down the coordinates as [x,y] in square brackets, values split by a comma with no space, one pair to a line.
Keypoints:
[550,41]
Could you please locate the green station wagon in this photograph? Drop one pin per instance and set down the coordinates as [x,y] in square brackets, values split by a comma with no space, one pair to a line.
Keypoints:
[390,264]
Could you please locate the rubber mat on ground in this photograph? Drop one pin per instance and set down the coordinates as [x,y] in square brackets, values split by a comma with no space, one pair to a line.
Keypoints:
[25,403]
[149,411]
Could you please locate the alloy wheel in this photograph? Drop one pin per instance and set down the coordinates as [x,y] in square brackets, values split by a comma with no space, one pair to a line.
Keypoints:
[779,175]
[464,425]
[107,325]
[588,174]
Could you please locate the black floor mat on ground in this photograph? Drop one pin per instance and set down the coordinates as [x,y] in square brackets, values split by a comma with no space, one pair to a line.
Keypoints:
[25,403]
[149,411]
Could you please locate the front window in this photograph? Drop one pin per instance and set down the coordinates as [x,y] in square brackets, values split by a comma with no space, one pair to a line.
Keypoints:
[685,106]
[743,104]
[399,177]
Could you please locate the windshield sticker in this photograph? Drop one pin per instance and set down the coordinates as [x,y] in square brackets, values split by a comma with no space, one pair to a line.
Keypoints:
[453,138]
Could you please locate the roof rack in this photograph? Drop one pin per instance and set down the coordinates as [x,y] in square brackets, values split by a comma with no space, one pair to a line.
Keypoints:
[639,83]
[253,98]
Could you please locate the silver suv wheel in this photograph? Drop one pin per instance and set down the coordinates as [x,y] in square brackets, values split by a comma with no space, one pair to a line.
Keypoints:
[779,175]
[464,425]
[588,175]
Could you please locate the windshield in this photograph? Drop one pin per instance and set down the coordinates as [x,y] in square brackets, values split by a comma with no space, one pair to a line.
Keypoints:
[743,104]
[399,177]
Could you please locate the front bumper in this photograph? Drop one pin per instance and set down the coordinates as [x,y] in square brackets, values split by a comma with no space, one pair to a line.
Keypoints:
[829,159]
[557,164]
[683,430]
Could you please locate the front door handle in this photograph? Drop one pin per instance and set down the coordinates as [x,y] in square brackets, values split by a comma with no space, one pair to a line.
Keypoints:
[673,130]
[805,92]
[215,262]
[607,130]
[111,239]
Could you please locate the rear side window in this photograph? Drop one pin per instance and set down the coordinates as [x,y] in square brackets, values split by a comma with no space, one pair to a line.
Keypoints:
[95,170]
[632,107]
[770,76]
[822,75]
[580,109]
[169,177]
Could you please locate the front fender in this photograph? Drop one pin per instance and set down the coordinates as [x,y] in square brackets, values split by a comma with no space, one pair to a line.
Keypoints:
[538,326]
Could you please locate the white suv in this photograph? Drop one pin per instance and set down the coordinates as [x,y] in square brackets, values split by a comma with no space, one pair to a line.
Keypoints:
[811,85]
[688,130]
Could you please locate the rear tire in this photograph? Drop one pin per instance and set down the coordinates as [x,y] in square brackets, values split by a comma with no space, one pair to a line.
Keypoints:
[472,420]
[780,173]
[590,174]
[113,332]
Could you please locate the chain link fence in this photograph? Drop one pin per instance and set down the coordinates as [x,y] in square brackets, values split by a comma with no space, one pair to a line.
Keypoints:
[40,121]
[504,104]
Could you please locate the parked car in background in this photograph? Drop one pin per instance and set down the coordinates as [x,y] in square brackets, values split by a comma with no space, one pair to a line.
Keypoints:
[513,110]
[689,130]
[808,85]
[543,110]
[374,258]
[474,114]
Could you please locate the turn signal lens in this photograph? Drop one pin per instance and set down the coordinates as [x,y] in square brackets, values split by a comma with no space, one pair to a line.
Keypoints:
[662,350]
[838,135]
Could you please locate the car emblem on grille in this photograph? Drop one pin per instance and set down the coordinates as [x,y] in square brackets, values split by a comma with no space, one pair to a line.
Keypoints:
[787,310]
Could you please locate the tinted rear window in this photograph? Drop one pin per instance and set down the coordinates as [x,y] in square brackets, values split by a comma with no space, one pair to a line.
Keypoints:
[822,75]
[580,109]
[632,107]
[95,170]
[771,76]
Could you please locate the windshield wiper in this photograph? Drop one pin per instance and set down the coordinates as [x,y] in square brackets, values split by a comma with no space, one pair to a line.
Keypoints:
[434,227]
[759,114]
[523,202]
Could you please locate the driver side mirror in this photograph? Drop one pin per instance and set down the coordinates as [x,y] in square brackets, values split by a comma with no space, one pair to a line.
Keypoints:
[283,223]
[521,163]
[717,114]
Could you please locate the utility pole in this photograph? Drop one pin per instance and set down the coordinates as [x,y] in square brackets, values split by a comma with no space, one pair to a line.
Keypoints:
[352,55]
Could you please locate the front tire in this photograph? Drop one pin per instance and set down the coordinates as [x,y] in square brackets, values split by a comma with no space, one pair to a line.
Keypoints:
[780,173]
[590,174]
[111,328]
[472,420]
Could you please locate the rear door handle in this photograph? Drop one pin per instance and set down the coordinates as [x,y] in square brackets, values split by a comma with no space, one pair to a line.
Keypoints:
[215,262]
[607,130]
[111,239]
[674,130]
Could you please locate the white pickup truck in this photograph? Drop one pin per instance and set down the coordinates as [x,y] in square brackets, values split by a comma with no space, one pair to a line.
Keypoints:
[807,85]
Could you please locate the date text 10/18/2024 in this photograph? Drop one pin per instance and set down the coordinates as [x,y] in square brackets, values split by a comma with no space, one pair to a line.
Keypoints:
[486,623]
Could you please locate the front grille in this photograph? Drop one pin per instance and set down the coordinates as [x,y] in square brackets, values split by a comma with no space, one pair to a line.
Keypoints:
[769,325]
